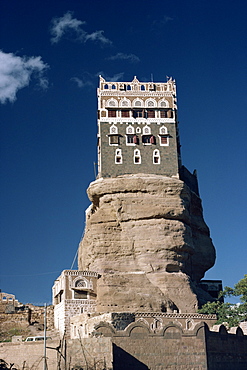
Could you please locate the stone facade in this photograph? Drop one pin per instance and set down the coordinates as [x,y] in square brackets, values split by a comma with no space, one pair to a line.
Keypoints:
[74,292]
[137,128]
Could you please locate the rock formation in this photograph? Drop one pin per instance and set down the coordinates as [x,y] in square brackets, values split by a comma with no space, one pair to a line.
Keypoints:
[146,236]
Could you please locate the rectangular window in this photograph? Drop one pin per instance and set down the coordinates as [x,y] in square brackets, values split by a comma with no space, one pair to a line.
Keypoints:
[163,114]
[150,113]
[130,139]
[146,139]
[112,113]
[125,113]
[164,140]
[114,139]
[137,113]
[80,294]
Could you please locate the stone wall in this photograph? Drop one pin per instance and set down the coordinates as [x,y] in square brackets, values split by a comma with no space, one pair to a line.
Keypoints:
[168,154]
[226,351]
[91,353]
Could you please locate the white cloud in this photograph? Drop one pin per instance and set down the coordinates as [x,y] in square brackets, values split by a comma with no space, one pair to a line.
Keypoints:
[121,56]
[66,24]
[16,73]
[115,78]
[81,83]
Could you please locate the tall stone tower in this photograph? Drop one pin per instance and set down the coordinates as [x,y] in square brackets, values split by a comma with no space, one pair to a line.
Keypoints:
[137,128]
[145,234]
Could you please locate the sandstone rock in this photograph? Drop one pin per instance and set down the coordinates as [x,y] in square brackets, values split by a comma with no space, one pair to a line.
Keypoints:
[146,236]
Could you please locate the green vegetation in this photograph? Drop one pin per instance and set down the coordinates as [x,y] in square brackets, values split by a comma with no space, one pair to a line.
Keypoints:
[231,313]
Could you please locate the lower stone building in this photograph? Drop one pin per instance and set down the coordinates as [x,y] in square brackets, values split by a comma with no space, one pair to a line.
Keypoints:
[74,292]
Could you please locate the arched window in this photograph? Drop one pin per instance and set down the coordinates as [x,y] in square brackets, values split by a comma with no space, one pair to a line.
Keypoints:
[113,87]
[146,130]
[130,130]
[138,103]
[142,87]
[163,130]
[124,103]
[156,156]
[111,103]
[128,87]
[131,138]
[81,284]
[113,130]
[137,156]
[118,156]
[164,137]
[106,87]
[150,103]
[113,136]
[163,103]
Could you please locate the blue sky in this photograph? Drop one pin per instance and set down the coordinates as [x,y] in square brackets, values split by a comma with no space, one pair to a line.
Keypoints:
[51,55]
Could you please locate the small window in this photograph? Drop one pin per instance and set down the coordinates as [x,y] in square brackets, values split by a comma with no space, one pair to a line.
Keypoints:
[150,103]
[114,139]
[112,103]
[164,140]
[163,113]
[137,157]
[150,113]
[113,87]
[138,113]
[80,283]
[146,139]
[106,87]
[128,87]
[112,113]
[146,130]
[163,130]
[132,140]
[156,156]
[142,88]
[118,156]
[138,103]
[80,294]
[130,130]
[113,130]
[125,113]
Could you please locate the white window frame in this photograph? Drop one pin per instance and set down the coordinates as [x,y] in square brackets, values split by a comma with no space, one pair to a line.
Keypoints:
[118,154]
[156,154]
[137,154]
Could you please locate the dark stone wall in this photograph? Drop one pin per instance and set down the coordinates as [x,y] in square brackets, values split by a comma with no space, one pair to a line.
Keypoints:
[226,351]
[168,154]
[139,348]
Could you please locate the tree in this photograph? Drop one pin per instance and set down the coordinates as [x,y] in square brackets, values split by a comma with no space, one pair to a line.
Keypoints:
[231,313]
